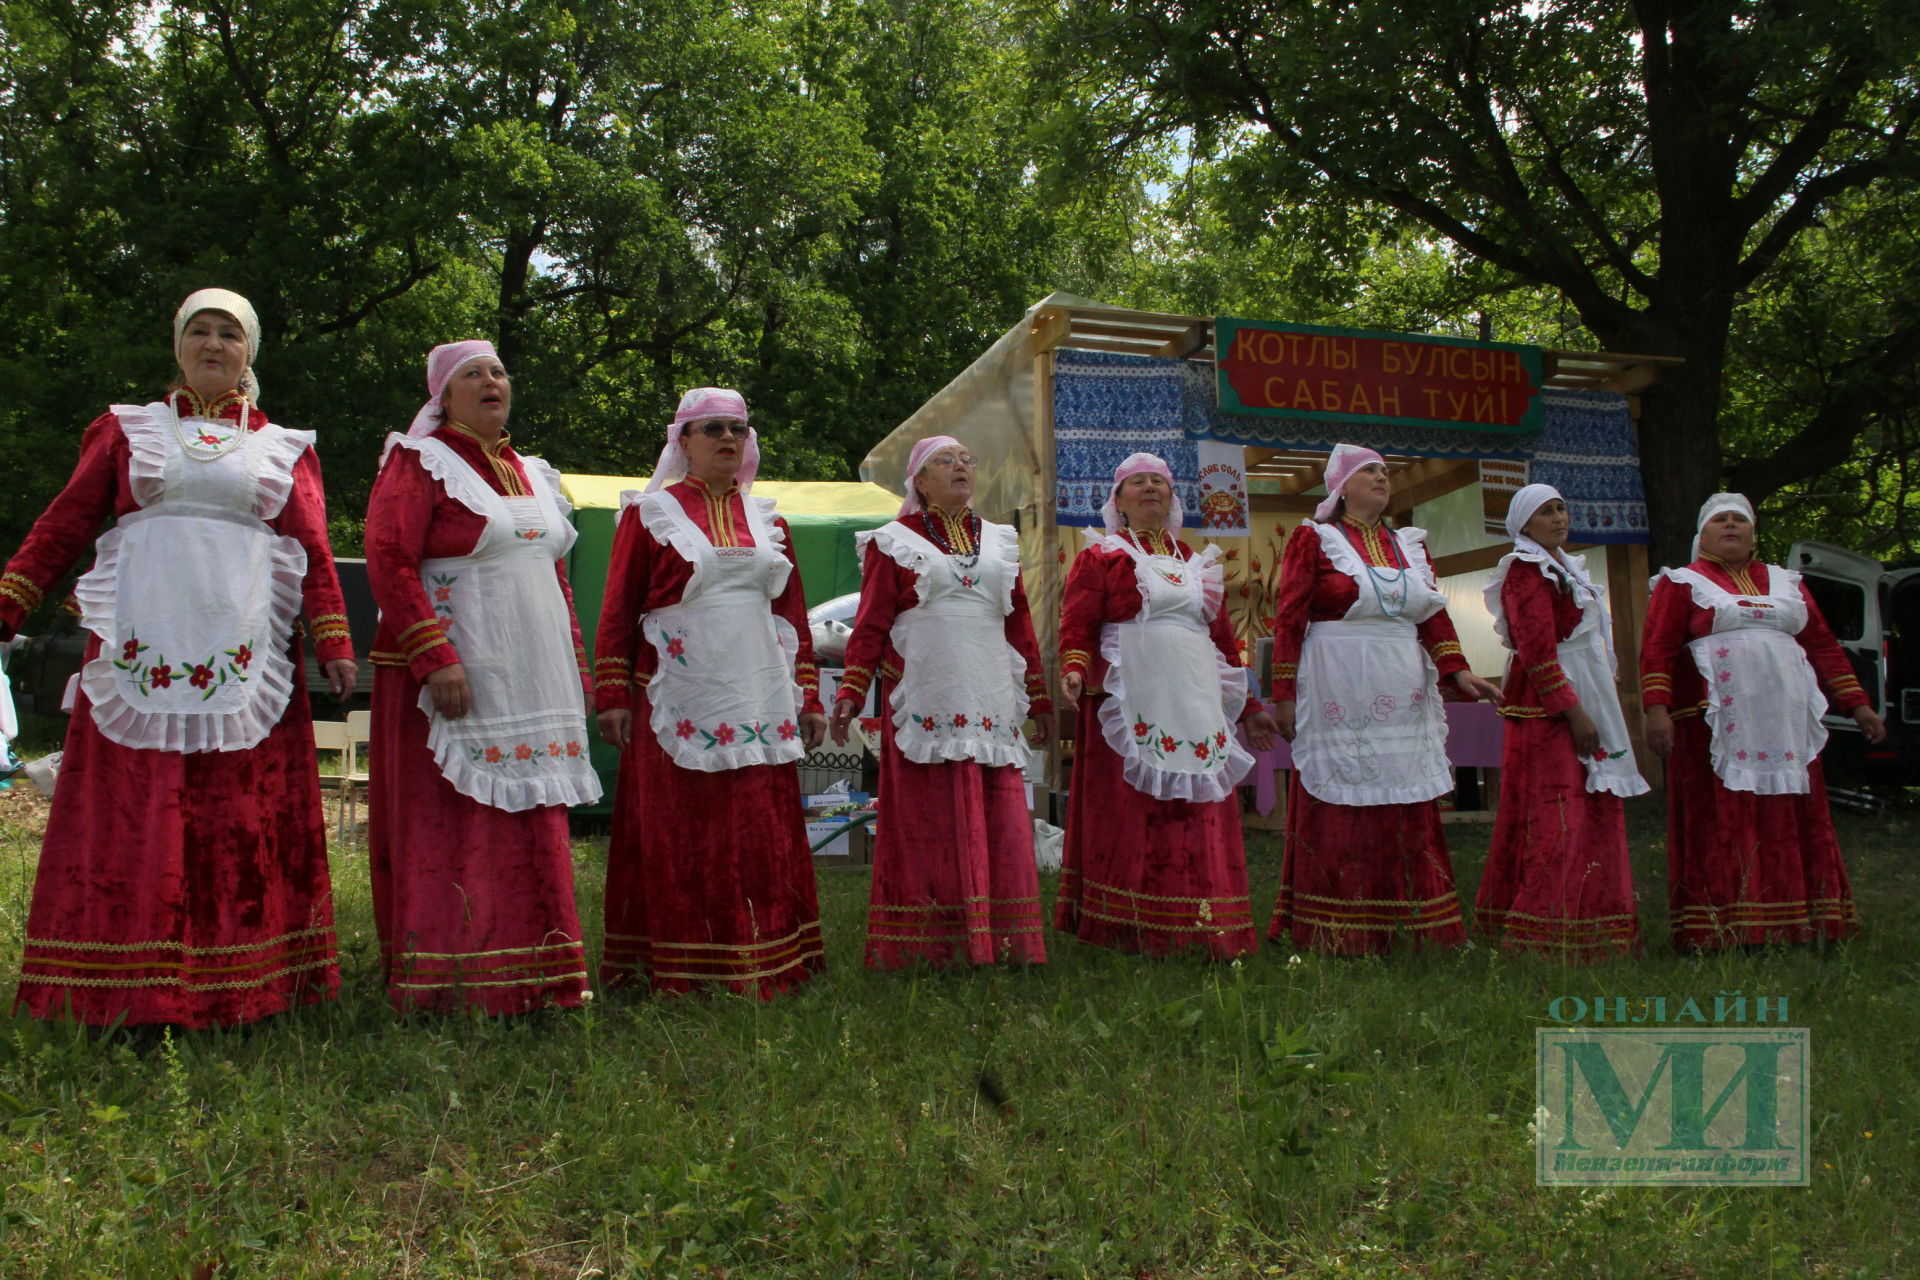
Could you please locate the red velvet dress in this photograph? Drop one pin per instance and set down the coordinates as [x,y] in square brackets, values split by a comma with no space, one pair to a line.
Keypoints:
[1742,868]
[709,878]
[954,880]
[1139,873]
[473,904]
[179,888]
[1558,880]
[1355,875]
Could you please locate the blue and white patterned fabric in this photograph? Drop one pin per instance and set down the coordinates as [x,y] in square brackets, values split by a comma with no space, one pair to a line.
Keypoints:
[1107,405]
[1588,451]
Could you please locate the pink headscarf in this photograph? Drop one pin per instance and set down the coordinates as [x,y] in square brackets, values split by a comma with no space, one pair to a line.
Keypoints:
[916,460]
[443,362]
[1142,464]
[1341,464]
[698,403]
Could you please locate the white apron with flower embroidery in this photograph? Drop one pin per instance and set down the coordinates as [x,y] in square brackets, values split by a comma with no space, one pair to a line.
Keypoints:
[723,692]
[1763,698]
[523,741]
[1369,725]
[1172,698]
[194,596]
[1587,661]
[962,691]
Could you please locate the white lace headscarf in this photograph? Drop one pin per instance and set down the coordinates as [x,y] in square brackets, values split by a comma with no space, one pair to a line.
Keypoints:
[705,402]
[226,302]
[1714,506]
[1521,509]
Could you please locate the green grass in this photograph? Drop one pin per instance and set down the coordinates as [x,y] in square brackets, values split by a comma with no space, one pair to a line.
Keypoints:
[1276,1117]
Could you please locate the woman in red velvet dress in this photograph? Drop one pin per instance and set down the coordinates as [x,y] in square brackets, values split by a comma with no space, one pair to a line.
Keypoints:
[1361,639]
[943,616]
[1558,880]
[183,878]
[479,708]
[705,679]
[1731,666]
[1153,859]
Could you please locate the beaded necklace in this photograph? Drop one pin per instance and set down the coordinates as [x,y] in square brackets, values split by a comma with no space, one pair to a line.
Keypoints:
[203,445]
[1390,590]
[957,538]
[1155,536]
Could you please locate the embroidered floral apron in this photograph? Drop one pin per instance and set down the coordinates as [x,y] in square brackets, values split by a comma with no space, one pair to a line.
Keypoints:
[1763,698]
[194,597]
[523,741]
[1587,660]
[723,693]
[962,692]
[1370,728]
[1172,698]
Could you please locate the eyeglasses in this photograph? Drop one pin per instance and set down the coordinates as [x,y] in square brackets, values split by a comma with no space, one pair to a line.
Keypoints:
[720,427]
[952,460]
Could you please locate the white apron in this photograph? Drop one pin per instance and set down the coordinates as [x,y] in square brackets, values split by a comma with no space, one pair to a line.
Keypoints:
[194,597]
[1763,698]
[962,692]
[1370,728]
[523,742]
[1172,698]
[723,692]
[1587,660]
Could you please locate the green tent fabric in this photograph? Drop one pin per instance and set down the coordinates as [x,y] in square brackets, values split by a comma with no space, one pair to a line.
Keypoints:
[822,515]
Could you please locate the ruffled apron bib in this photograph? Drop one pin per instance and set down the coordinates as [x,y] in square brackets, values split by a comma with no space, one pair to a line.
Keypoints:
[1587,660]
[1172,698]
[194,597]
[962,693]
[723,692]
[523,741]
[1763,698]
[1370,726]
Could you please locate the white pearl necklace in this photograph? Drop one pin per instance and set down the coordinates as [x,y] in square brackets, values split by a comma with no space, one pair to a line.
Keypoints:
[196,448]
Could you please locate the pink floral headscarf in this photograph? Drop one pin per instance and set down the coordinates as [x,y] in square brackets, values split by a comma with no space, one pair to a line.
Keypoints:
[705,402]
[443,362]
[1341,464]
[917,460]
[1143,464]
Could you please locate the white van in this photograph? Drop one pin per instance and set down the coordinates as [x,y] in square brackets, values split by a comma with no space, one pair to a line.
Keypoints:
[1875,614]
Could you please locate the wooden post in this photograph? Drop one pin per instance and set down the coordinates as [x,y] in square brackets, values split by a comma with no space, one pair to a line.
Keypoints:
[1046,511]
[1627,594]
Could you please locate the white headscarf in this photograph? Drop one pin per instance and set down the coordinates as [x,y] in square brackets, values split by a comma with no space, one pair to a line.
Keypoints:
[1521,509]
[705,402]
[1143,464]
[1714,506]
[230,303]
[1341,464]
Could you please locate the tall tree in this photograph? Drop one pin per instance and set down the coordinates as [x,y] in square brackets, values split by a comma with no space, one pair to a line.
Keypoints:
[1649,163]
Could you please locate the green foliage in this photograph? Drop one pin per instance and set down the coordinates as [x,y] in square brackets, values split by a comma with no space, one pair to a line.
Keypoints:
[832,207]
[1649,171]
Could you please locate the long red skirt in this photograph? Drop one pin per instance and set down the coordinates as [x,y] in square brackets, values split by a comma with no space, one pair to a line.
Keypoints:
[1744,868]
[1355,876]
[709,879]
[1558,881]
[473,905]
[954,880]
[1147,875]
[184,889]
